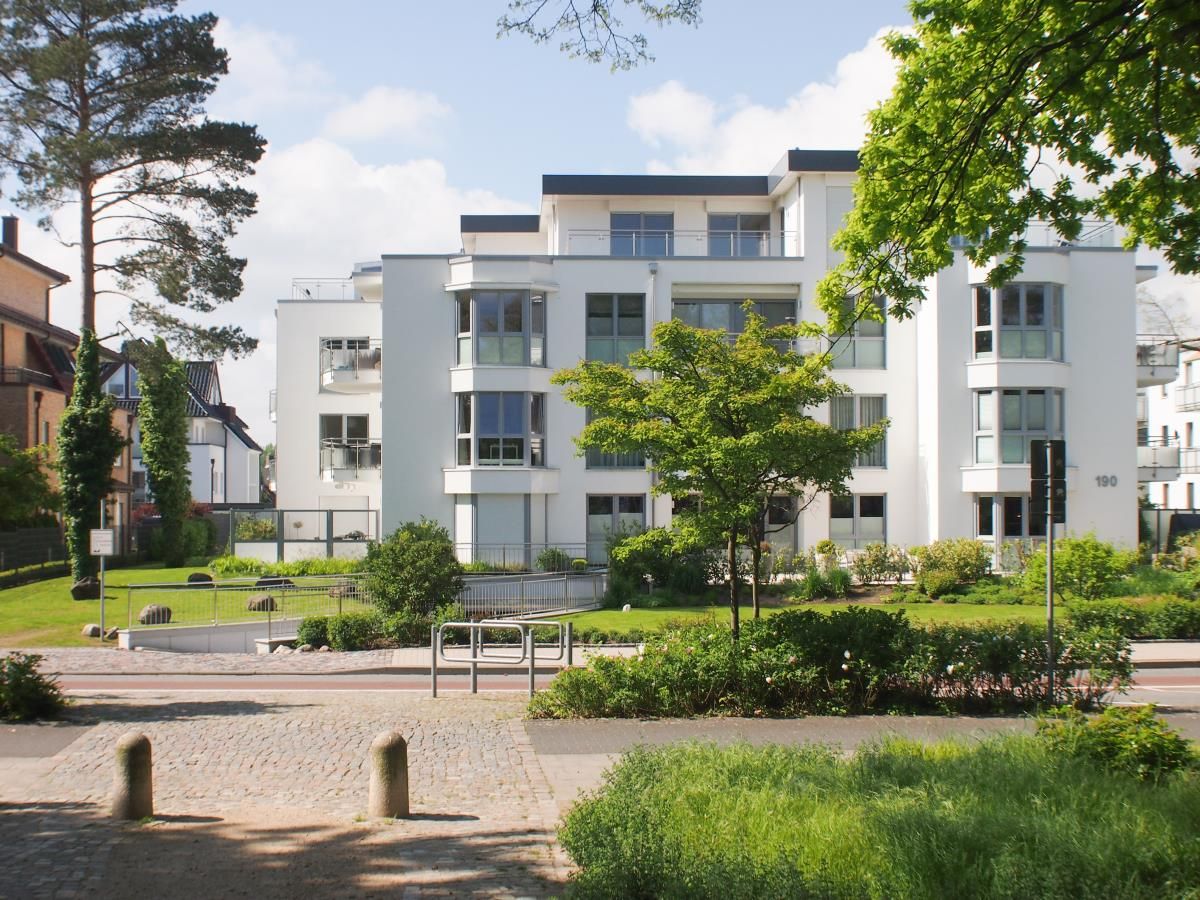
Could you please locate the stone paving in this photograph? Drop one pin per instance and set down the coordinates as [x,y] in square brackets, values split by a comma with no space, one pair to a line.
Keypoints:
[254,794]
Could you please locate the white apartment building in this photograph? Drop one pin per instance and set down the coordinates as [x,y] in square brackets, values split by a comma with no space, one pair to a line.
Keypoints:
[462,425]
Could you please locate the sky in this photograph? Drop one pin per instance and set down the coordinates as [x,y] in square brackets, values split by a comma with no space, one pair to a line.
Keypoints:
[386,121]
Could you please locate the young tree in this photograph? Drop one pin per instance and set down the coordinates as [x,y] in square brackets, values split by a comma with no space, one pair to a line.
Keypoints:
[88,445]
[726,421]
[28,498]
[102,105]
[1017,110]
[592,30]
[163,420]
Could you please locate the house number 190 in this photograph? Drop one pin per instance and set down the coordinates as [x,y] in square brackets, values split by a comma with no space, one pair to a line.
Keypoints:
[1106,480]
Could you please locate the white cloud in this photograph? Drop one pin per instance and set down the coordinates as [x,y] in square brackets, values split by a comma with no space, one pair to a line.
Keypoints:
[748,137]
[385,111]
[267,72]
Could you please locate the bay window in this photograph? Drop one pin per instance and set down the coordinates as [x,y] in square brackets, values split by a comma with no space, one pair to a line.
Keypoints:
[1019,321]
[500,328]
[1007,420]
[500,428]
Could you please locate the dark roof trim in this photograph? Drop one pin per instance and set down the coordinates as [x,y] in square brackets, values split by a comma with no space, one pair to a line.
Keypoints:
[657,185]
[24,260]
[499,224]
[822,160]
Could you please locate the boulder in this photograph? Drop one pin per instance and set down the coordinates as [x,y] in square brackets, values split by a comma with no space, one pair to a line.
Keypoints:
[344,590]
[283,650]
[269,581]
[261,603]
[305,648]
[113,633]
[91,630]
[324,649]
[86,589]
[200,579]
[154,615]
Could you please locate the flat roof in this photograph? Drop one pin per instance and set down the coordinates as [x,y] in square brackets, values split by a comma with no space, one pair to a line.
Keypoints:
[657,185]
[500,224]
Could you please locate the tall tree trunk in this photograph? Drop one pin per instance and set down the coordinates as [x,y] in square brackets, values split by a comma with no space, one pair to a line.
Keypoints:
[87,244]
[733,584]
[756,551]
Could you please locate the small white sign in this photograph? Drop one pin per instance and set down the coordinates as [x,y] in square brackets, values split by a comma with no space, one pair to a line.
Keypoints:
[103,541]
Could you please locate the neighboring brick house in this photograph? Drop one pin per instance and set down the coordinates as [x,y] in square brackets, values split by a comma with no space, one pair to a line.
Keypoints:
[37,366]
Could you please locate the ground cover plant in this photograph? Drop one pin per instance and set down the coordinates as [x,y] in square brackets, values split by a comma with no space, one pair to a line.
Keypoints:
[25,693]
[855,660]
[1009,817]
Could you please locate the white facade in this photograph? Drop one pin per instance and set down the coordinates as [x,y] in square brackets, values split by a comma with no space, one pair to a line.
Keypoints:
[529,295]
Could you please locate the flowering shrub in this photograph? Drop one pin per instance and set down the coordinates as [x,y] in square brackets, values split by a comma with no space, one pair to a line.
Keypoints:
[855,660]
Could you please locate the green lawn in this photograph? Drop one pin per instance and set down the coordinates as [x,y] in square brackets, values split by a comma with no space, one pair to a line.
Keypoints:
[645,619]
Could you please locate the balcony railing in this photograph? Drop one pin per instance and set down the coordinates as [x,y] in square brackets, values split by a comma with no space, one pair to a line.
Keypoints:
[323,289]
[1187,397]
[20,375]
[1094,233]
[1157,359]
[1158,461]
[272,403]
[1189,460]
[680,242]
[351,459]
[350,366]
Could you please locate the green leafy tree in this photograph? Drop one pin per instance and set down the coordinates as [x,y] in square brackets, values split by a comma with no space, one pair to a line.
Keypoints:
[995,105]
[102,106]
[413,569]
[728,422]
[592,30]
[88,445]
[163,420]
[24,485]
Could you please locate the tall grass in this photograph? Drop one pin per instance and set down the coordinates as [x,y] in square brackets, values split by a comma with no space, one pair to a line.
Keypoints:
[1003,818]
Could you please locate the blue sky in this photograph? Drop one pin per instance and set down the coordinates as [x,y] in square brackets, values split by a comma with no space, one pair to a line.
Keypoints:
[387,121]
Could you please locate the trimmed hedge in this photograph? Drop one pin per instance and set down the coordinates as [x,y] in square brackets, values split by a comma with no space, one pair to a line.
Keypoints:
[242,566]
[1167,619]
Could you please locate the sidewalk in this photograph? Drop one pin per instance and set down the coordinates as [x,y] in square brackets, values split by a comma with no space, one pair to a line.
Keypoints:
[1166,654]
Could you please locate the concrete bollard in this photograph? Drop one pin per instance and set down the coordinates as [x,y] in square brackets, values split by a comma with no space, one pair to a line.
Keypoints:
[133,788]
[388,796]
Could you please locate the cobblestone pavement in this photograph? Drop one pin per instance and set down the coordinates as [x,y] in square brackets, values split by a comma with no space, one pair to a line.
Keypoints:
[263,797]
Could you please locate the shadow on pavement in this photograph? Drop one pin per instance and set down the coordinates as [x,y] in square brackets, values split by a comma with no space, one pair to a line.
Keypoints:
[117,708]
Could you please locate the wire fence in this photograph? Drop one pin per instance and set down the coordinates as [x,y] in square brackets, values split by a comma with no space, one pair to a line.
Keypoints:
[528,595]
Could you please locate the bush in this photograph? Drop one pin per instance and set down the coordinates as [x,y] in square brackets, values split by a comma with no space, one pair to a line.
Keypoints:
[998,592]
[1083,567]
[313,630]
[1175,620]
[1168,619]
[880,562]
[838,581]
[813,586]
[25,693]
[354,631]
[414,569]
[579,565]
[967,560]
[1150,581]
[256,529]
[1127,739]
[828,554]
[1004,817]
[936,583]
[553,559]
[656,558]
[407,628]
[238,566]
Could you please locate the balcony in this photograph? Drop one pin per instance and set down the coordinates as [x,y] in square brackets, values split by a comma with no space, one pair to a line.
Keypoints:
[351,460]
[1187,397]
[1157,359]
[350,366]
[1093,233]
[19,375]
[680,242]
[1157,461]
[323,289]
[272,404]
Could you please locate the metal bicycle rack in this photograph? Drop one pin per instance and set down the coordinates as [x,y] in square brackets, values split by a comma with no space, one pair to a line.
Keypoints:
[525,650]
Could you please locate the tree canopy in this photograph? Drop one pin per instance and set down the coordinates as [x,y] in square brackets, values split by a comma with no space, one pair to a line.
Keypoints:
[592,30]
[102,107]
[24,485]
[728,421]
[1011,111]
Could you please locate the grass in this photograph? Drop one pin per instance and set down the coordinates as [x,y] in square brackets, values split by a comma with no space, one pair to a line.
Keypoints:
[1005,817]
[646,619]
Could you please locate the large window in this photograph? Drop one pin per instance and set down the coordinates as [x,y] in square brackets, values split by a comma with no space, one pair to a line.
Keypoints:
[642,234]
[739,234]
[859,411]
[501,328]
[1007,420]
[612,514]
[1006,516]
[728,315]
[865,347]
[500,428]
[1019,321]
[856,520]
[597,459]
[616,326]
[344,428]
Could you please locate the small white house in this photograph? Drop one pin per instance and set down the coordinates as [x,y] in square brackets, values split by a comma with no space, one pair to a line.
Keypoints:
[225,460]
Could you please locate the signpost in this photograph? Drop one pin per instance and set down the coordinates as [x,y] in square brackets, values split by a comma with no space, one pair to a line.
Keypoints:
[102,543]
[1048,498]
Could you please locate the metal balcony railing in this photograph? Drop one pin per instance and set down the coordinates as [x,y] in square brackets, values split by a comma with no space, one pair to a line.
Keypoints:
[360,360]
[1189,460]
[1158,460]
[1094,233]
[21,375]
[1157,350]
[272,403]
[679,242]
[1187,397]
[350,458]
[323,289]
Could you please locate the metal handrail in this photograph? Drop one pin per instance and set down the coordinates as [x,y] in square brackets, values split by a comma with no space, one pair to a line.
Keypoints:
[479,655]
[732,243]
[351,359]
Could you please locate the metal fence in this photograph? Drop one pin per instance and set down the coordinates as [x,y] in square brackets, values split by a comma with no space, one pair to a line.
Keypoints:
[529,595]
[31,547]
[545,557]
[1161,527]
[267,599]
[285,535]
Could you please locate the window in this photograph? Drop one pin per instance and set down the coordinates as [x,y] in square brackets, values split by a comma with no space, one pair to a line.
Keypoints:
[1019,321]
[616,326]
[1007,517]
[865,346]
[344,429]
[859,411]
[728,315]
[642,234]
[1022,415]
[597,459]
[739,234]
[509,328]
[856,520]
[503,428]
[779,529]
[608,515]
